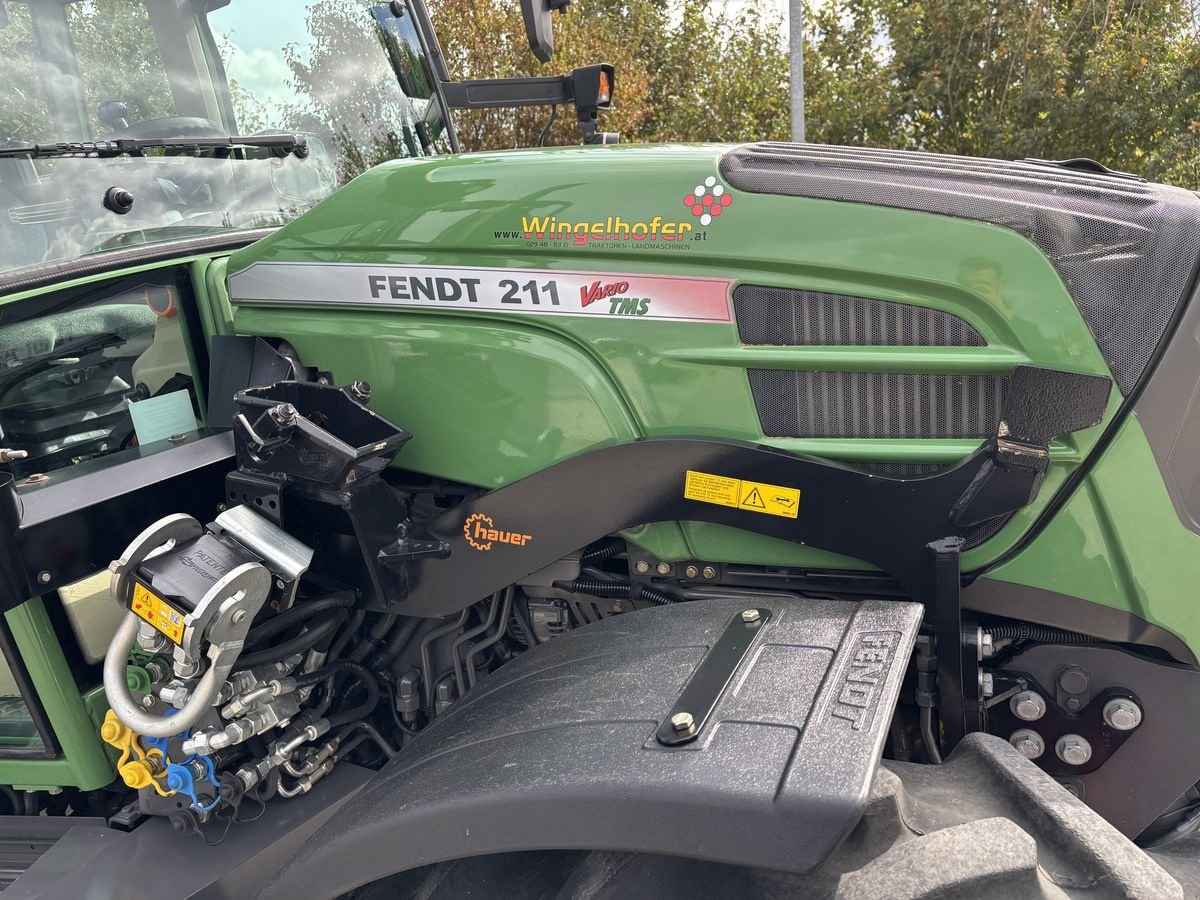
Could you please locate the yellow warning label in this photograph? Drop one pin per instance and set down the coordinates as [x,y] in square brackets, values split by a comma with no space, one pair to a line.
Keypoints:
[158,612]
[772,499]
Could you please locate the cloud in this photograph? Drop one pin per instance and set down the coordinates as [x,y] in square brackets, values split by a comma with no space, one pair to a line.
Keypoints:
[262,73]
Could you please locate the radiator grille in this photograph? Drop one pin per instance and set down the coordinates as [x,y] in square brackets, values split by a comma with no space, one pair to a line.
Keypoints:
[877,405]
[782,316]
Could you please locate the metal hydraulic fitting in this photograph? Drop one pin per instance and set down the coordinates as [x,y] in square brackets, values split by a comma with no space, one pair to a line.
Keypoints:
[262,719]
[1028,706]
[305,783]
[276,687]
[175,692]
[1122,714]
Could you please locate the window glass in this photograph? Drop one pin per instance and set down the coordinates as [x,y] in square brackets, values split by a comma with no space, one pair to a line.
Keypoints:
[69,373]
[17,728]
[24,114]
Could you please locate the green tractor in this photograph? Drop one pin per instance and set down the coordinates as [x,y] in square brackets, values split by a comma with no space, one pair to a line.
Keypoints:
[722,521]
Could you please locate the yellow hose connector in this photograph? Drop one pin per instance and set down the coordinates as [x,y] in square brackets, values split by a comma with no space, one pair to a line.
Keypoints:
[147,769]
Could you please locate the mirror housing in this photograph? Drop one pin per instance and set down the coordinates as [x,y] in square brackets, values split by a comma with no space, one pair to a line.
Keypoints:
[538,27]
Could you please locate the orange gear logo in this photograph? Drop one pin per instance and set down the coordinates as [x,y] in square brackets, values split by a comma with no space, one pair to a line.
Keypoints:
[481,532]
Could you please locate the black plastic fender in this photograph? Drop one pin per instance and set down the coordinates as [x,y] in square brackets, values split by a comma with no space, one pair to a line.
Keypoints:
[558,749]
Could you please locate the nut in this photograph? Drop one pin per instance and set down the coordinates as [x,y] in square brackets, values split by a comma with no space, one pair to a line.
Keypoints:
[1027,706]
[239,617]
[750,615]
[691,571]
[1073,749]
[641,567]
[987,684]
[709,572]
[683,721]
[1028,743]
[987,647]
[1122,714]
[664,568]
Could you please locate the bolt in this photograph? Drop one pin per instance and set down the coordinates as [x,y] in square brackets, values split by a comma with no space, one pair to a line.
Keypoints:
[1027,706]
[322,380]
[683,721]
[54,791]
[279,583]
[1071,788]
[239,617]
[987,647]
[664,568]
[1073,749]
[1073,704]
[44,577]
[148,701]
[1122,714]
[691,571]
[1073,680]
[642,567]
[1028,743]
[709,572]
[361,391]
[177,438]
[987,684]
[283,414]
[749,616]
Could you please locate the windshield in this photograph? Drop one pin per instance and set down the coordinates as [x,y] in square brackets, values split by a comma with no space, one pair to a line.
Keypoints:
[348,77]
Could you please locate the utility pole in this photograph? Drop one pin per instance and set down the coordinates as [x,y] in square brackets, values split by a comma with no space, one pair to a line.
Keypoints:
[796,38]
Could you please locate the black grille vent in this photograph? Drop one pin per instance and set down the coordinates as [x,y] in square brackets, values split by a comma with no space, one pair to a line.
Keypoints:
[877,405]
[781,316]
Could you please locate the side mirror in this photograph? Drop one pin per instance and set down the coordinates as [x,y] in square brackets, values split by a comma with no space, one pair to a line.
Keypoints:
[593,88]
[538,26]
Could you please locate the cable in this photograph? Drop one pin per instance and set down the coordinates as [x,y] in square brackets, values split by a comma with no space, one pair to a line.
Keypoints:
[931,745]
[376,634]
[310,637]
[545,131]
[617,590]
[1185,827]
[524,626]
[296,615]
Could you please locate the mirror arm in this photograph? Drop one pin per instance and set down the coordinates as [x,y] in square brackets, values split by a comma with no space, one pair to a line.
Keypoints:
[496,93]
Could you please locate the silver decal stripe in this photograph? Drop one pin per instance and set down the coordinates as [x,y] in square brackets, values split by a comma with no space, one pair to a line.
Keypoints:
[538,291]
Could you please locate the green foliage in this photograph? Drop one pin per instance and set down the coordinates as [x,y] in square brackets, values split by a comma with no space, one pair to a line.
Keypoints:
[1115,81]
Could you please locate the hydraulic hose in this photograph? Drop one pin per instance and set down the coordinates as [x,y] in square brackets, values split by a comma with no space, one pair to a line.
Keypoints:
[363,709]
[310,637]
[400,637]
[341,665]
[116,689]
[376,634]
[296,615]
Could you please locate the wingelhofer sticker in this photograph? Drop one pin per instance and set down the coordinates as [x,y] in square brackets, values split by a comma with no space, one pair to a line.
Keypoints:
[520,291]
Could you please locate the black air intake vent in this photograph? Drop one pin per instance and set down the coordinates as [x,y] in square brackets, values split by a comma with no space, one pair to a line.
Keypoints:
[877,405]
[786,317]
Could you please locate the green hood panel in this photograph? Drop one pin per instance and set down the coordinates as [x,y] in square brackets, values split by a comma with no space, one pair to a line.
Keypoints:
[494,393]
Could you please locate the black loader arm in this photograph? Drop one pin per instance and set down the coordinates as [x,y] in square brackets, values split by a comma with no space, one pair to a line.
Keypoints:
[563,748]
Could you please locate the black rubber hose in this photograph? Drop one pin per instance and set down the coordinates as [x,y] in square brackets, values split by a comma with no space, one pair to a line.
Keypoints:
[376,634]
[1025,631]
[401,635]
[598,553]
[363,709]
[617,590]
[296,615]
[310,637]
[521,614]
[356,620]
[341,665]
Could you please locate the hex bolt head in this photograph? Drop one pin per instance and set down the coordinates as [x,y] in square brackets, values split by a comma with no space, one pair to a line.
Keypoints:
[683,721]
[44,577]
[1028,706]
[691,571]
[1073,749]
[148,701]
[709,572]
[1122,714]
[1028,743]
[641,567]
[664,568]
[750,616]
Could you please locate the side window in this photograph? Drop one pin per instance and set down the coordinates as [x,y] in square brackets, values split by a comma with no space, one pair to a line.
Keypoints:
[73,368]
[19,731]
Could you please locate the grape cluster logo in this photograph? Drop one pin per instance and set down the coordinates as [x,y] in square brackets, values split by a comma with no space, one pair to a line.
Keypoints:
[708,201]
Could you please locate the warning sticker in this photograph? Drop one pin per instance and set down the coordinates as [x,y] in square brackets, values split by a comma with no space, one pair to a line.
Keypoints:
[158,612]
[772,499]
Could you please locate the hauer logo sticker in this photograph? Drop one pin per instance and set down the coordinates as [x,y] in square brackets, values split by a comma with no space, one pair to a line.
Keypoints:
[481,532]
